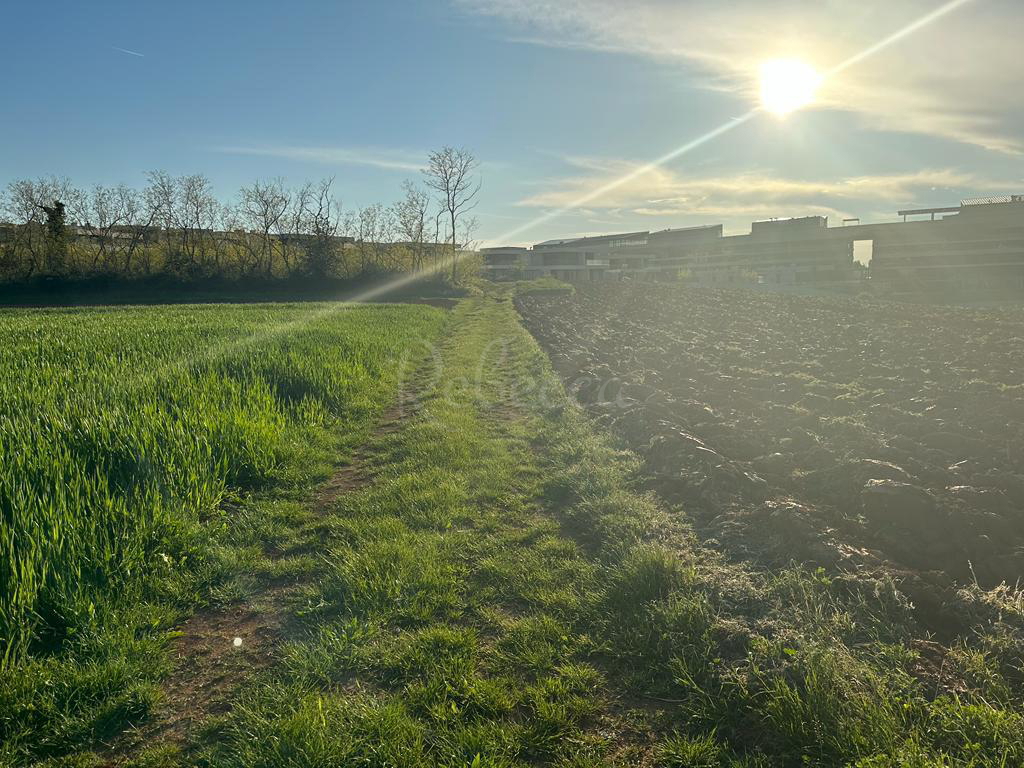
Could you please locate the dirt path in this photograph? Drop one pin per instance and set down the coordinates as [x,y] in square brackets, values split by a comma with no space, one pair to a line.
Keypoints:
[219,648]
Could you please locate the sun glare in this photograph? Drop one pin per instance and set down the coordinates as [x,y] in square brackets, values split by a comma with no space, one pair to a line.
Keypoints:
[787,85]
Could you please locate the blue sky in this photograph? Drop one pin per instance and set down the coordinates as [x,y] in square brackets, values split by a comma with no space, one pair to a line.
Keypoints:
[556,97]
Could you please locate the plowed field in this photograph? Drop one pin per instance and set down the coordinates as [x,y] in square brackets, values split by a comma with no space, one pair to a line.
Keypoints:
[866,438]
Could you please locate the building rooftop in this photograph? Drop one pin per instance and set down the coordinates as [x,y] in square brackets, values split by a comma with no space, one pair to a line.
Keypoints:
[928,211]
[807,221]
[594,239]
[992,200]
[618,236]
[687,229]
[563,241]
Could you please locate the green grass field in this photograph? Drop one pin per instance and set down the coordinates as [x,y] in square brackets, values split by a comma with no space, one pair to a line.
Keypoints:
[497,589]
[126,437]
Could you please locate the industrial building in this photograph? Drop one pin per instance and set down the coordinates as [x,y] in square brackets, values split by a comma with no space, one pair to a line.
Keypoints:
[976,245]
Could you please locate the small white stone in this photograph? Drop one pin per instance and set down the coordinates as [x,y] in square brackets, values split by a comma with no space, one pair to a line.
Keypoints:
[237,642]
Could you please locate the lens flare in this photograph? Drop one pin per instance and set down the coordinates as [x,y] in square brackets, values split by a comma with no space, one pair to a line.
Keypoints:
[787,85]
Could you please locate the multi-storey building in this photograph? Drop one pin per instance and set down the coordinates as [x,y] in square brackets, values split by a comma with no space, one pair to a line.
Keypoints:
[979,244]
[582,259]
[784,253]
[504,263]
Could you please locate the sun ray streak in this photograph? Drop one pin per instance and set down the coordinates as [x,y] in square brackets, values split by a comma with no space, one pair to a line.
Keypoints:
[329,308]
[725,128]
[895,37]
[633,174]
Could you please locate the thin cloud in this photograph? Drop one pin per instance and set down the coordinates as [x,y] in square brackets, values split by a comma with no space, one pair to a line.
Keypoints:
[130,53]
[956,78]
[386,159]
[662,192]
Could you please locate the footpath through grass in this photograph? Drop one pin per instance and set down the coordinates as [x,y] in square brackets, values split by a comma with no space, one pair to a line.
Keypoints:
[152,461]
[500,596]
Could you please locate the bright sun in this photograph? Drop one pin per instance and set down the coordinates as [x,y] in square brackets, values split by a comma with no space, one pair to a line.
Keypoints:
[787,85]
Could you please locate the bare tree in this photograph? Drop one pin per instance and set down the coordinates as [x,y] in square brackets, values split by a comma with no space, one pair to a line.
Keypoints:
[294,227]
[384,252]
[34,204]
[161,196]
[8,237]
[451,173]
[187,212]
[263,206]
[116,220]
[349,227]
[237,238]
[308,228]
[374,233]
[468,227]
[365,225]
[467,231]
[227,250]
[176,226]
[437,237]
[324,221]
[197,216]
[24,206]
[107,216]
[410,215]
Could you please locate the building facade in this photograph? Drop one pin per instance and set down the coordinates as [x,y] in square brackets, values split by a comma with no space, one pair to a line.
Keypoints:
[978,244]
[503,263]
[979,247]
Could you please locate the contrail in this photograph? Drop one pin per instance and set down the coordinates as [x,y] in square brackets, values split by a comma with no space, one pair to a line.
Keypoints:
[130,53]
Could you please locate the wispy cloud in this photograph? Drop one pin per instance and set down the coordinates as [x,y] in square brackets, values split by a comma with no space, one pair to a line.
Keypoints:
[130,53]
[956,78]
[374,157]
[665,192]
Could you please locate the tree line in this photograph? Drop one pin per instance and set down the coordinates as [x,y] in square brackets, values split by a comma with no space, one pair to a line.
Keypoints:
[175,227]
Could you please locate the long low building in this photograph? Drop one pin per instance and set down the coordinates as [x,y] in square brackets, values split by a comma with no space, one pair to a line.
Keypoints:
[504,262]
[978,244]
[981,246]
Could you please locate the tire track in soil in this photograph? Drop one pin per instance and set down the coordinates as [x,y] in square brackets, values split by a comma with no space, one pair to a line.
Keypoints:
[208,665]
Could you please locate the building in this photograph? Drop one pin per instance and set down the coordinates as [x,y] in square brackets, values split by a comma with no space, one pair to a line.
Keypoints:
[673,253]
[788,254]
[582,259]
[503,263]
[976,245]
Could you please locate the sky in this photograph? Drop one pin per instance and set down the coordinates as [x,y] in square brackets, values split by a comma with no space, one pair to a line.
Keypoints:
[565,102]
